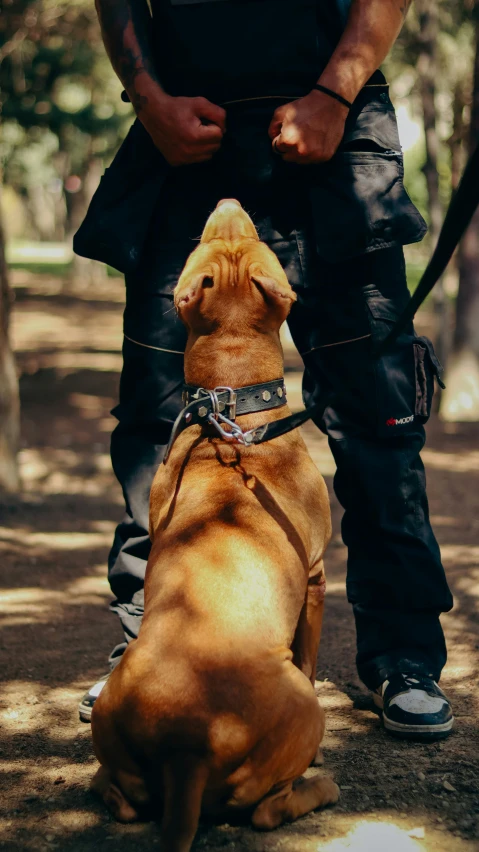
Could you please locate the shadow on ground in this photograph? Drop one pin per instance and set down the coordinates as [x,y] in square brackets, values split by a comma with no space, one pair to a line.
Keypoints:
[56,631]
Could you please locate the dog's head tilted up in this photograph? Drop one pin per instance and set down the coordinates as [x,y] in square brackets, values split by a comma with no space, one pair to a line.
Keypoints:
[232,283]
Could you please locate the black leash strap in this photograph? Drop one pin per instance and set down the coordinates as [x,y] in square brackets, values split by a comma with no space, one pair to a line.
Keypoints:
[460,212]
[280,427]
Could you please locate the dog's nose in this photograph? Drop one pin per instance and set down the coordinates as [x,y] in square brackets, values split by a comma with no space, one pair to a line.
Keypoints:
[229,222]
[230,201]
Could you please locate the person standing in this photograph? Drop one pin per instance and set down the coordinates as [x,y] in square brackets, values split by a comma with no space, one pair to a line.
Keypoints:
[280,104]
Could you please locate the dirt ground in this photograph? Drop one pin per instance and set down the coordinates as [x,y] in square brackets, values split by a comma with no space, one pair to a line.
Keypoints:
[56,631]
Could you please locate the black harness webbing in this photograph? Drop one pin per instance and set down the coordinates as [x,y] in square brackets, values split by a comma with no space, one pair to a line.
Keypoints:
[459,214]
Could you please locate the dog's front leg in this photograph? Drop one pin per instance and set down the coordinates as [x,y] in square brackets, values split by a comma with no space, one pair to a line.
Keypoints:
[308,631]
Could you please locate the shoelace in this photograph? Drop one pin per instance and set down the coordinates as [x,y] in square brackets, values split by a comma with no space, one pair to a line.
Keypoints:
[410,680]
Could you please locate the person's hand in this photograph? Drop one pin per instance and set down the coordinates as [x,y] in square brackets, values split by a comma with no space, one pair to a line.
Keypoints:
[309,130]
[185,130]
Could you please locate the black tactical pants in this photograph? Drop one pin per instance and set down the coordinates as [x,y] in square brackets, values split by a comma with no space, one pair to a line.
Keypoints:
[395,579]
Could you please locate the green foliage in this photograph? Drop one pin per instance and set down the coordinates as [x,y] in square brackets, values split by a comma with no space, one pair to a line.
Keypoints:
[55,74]
[60,100]
[454,62]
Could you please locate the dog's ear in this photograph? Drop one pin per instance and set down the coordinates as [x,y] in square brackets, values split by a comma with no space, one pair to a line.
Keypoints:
[274,289]
[189,293]
[277,293]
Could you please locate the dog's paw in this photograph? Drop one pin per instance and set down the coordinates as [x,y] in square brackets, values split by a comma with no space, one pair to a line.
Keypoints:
[328,790]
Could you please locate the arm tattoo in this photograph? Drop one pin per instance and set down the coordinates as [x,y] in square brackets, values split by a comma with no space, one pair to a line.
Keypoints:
[126,30]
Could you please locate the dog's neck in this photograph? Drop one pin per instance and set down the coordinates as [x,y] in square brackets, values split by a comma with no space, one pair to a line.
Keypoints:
[220,360]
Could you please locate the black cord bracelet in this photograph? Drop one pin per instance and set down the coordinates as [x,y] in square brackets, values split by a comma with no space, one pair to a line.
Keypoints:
[334,95]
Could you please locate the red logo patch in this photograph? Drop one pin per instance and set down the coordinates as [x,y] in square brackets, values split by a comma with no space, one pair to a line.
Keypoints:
[393,421]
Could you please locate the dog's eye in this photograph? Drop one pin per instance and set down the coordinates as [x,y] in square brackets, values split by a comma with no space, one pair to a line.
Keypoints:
[208,282]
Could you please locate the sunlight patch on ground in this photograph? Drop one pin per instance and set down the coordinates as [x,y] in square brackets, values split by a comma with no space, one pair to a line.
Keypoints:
[444,521]
[453,462]
[20,696]
[64,471]
[331,698]
[21,692]
[376,837]
[74,820]
[31,605]
[49,715]
[50,766]
[34,329]
[90,407]
[72,362]
[460,554]
[461,676]
[39,284]
[104,526]
[77,819]
[56,541]
[469,584]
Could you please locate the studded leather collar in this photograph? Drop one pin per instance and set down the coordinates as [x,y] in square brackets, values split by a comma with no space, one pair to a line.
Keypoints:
[223,404]
[249,399]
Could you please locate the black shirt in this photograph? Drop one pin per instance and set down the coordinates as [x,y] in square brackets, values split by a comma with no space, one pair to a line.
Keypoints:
[234,49]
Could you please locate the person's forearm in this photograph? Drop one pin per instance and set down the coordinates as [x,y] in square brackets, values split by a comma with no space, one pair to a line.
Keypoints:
[126,30]
[371,30]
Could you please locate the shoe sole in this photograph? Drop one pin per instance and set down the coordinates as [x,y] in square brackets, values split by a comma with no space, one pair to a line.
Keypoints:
[425,732]
[85,713]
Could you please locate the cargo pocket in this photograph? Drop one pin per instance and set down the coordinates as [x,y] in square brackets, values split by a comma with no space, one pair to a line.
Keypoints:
[428,368]
[404,377]
[116,224]
[358,199]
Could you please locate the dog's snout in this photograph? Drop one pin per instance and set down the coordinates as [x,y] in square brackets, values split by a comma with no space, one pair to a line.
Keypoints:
[231,201]
[229,221]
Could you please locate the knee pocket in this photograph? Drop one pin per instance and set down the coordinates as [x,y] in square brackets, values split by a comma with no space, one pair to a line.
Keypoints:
[404,377]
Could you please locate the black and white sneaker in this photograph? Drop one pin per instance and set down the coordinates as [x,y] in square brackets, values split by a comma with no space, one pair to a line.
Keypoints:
[85,706]
[414,707]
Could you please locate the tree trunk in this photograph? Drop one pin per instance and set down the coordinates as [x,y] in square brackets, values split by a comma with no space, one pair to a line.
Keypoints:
[458,136]
[427,72]
[9,399]
[461,400]
[85,273]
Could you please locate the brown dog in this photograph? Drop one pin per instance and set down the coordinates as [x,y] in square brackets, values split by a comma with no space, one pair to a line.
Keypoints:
[212,708]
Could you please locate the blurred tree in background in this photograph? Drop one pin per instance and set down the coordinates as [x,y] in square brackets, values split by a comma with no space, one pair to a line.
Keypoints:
[62,117]
[9,399]
[62,120]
